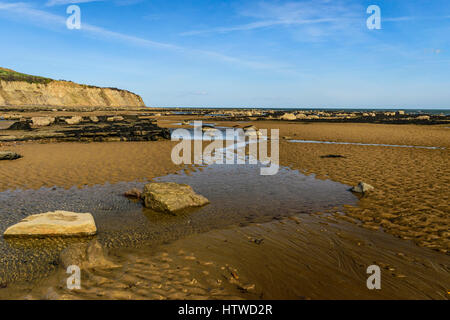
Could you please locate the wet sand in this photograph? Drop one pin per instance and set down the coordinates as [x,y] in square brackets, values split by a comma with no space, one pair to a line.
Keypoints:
[411,198]
[303,257]
[300,257]
[76,164]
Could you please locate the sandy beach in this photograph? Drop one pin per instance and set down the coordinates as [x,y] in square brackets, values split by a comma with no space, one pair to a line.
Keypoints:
[402,226]
[223,151]
[411,198]
[77,164]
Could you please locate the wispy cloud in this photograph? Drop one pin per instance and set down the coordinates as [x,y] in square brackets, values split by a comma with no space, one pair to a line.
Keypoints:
[259,25]
[395,19]
[41,17]
[317,12]
[51,3]
[310,20]
[127,2]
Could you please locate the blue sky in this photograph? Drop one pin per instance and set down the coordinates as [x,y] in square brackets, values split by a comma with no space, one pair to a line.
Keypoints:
[312,54]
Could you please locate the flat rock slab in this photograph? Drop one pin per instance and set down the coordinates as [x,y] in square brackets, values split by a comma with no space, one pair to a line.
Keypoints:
[57,223]
[8,155]
[171,197]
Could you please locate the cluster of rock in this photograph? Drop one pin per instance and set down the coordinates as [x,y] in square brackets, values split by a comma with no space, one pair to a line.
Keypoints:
[86,128]
[374,116]
[339,116]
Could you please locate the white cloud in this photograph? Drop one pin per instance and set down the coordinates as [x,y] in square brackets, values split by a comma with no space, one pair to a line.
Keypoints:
[317,12]
[51,3]
[40,17]
[258,25]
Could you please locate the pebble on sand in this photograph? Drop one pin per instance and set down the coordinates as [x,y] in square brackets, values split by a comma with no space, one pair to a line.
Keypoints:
[133,193]
[362,187]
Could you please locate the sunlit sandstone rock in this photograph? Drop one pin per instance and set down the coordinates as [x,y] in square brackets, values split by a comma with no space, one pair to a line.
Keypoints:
[57,223]
[42,121]
[288,116]
[171,197]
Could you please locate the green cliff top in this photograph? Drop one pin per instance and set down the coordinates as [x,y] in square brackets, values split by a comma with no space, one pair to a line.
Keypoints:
[11,75]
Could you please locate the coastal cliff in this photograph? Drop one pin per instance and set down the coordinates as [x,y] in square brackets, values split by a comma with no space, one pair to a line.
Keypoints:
[22,90]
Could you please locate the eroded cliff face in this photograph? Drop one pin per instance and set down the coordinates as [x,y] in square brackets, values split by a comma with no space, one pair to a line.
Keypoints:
[64,94]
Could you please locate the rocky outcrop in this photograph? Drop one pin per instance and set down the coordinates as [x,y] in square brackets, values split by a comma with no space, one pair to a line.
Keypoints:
[30,91]
[171,197]
[74,120]
[288,116]
[57,223]
[42,121]
[86,129]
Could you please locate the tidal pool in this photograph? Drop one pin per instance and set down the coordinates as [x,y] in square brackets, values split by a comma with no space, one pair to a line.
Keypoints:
[364,144]
[239,195]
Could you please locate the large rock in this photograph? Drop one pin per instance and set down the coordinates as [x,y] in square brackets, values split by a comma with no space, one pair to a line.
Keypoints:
[74,120]
[57,223]
[42,121]
[362,187]
[288,116]
[171,197]
[9,155]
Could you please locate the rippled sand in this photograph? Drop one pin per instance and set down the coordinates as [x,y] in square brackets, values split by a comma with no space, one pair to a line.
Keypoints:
[302,257]
[77,164]
[411,198]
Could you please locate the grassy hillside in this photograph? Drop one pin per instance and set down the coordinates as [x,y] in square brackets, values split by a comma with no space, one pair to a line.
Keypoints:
[11,75]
